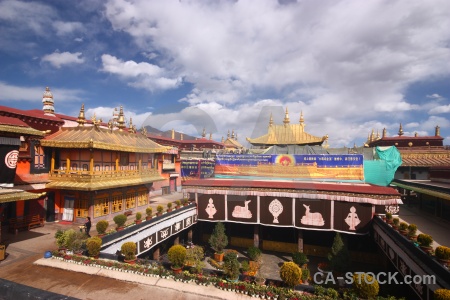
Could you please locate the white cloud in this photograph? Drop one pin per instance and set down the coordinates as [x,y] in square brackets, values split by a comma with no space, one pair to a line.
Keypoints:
[440,109]
[65,28]
[58,59]
[435,97]
[34,94]
[142,75]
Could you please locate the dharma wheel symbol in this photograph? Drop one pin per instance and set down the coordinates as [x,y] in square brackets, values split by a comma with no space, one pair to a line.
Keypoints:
[275,208]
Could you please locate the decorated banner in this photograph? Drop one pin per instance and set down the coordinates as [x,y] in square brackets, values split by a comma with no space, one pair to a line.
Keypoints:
[314,214]
[211,207]
[242,208]
[323,166]
[352,217]
[197,168]
[8,163]
[276,211]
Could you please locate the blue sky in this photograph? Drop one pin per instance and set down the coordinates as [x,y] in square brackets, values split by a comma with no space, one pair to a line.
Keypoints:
[349,66]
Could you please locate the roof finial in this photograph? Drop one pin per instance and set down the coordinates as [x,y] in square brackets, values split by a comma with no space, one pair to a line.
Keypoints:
[210,136]
[232,134]
[384,132]
[204,133]
[271,120]
[222,140]
[121,119]
[47,100]
[437,131]
[301,117]
[144,131]
[81,117]
[181,136]
[173,134]
[400,130]
[286,117]
[228,134]
[131,128]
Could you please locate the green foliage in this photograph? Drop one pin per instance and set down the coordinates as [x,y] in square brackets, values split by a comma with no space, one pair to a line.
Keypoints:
[195,255]
[93,245]
[412,229]
[388,216]
[441,294]
[177,256]
[60,238]
[71,239]
[339,257]
[254,253]
[245,266]
[231,265]
[101,226]
[403,226]
[120,220]
[138,216]
[325,293]
[218,239]
[149,211]
[178,202]
[128,249]
[160,208]
[185,201]
[396,221]
[442,252]
[424,240]
[365,286]
[169,205]
[305,274]
[300,258]
[290,273]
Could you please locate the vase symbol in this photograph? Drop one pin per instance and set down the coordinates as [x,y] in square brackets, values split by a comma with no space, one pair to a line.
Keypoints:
[352,219]
[275,208]
[211,209]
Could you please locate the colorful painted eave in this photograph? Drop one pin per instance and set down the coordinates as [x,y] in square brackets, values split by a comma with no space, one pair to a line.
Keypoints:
[12,195]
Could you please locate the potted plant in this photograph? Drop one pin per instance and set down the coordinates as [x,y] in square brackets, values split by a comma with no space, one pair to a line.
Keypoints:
[177,255]
[218,241]
[443,255]
[412,232]
[169,207]
[300,258]
[101,227]
[93,245]
[128,250]
[389,218]
[403,228]
[76,241]
[159,210]
[339,257]
[441,294]
[148,212]
[245,267]
[290,273]
[231,266]
[138,218]
[425,242]
[305,275]
[120,221]
[396,221]
[185,202]
[177,204]
[365,286]
[194,258]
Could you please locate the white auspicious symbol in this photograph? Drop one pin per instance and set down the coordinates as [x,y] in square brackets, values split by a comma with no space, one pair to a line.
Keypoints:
[310,218]
[275,208]
[148,242]
[188,222]
[177,226]
[392,209]
[164,233]
[211,209]
[242,211]
[352,219]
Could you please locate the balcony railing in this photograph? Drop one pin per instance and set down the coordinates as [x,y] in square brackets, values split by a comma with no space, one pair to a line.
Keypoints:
[82,175]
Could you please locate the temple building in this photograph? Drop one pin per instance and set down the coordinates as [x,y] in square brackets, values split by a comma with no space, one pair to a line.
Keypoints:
[100,172]
[287,134]
[232,144]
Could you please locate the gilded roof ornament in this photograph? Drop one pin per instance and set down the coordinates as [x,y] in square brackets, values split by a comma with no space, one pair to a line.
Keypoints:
[131,128]
[47,100]
[204,133]
[301,118]
[400,130]
[271,120]
[81,117]
[232,135]
[286,120]
[437,131]
[228,134]
[384,132]
[144,131]
[121,120]
[222,140]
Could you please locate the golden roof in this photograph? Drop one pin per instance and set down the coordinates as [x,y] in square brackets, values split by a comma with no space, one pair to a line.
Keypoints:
[231,143]
[287,134]
[92,183]
[96,137]
[21,130]
[11,195]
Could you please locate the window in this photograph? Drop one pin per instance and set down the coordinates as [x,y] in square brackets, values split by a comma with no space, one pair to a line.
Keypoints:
[101,206]
[124,159]
[142,198]
[130,200]
[40,158]
[81,207]
[117,203]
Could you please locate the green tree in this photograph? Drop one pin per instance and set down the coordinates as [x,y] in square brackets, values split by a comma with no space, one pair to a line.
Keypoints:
[218,239]
[339,257]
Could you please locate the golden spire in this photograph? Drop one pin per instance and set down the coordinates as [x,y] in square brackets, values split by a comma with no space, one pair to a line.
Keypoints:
[384,132]
[132,128]
[271,120]
[210,136]
[228,134]
[232,134]
[400,130]
[81,117]
[378,135]
[286,117]
[121,120]
[47,100]
[235,138]
[301,118]
[204,133]
[144,131]
[173,134]
[437,131]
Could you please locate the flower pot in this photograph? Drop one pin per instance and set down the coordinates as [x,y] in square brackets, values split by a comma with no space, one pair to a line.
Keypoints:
[218,257]
[427,249]
[119,228]
[177,270]
[403,232]
[148,218]
[138,221]
[130,261]
[445,262]
[412,237]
